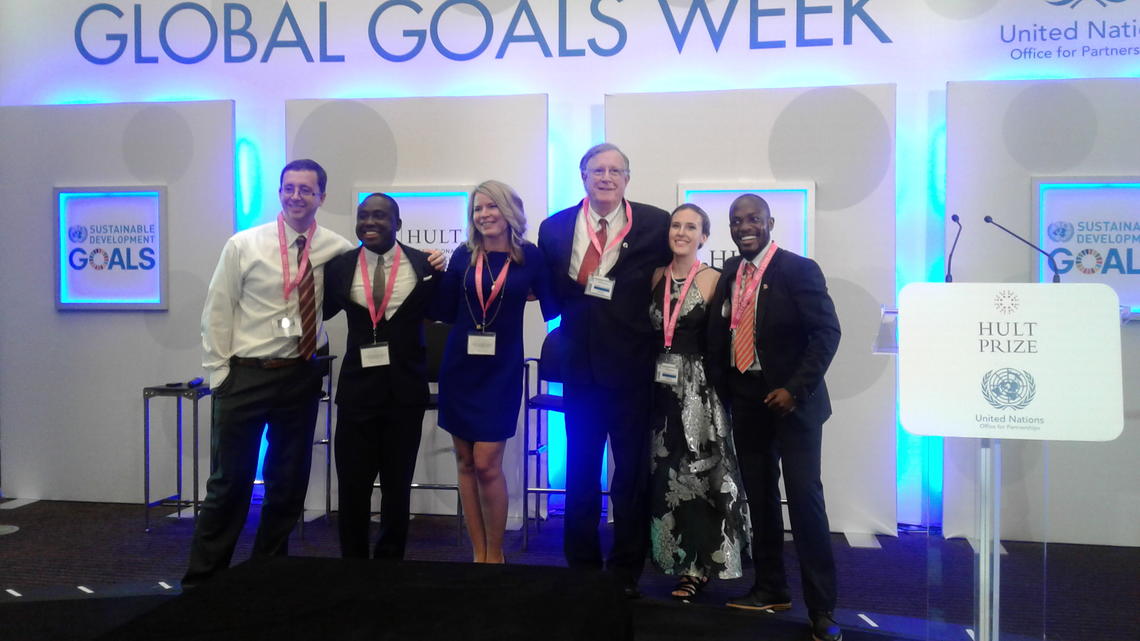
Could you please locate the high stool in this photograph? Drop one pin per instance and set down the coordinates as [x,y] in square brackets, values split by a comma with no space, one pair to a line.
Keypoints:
[178,391]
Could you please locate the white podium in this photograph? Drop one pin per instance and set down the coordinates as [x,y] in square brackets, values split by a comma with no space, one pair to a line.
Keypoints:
[1003,360]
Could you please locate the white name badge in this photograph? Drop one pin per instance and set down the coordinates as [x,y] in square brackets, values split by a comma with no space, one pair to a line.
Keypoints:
[285,326]
[668,369]
[600,287]
[481,343]
[374,355]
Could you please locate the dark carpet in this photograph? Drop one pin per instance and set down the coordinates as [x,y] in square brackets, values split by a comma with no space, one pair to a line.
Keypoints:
[917,586]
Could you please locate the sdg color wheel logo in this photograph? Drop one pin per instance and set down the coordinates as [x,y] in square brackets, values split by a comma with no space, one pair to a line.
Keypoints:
[1089,261]
[1008,388]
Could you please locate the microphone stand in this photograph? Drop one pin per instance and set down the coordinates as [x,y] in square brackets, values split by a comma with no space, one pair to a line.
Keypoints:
[1052,264]
[950,257]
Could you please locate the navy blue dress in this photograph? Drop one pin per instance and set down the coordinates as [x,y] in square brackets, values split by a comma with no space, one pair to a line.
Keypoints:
[479,396]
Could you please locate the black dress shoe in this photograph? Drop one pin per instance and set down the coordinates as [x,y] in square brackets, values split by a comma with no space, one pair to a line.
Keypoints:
[761,600]
[824,627]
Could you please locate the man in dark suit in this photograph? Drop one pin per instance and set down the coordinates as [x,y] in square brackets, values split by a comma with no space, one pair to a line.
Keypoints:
[601,254]
[769,347]
[385,288]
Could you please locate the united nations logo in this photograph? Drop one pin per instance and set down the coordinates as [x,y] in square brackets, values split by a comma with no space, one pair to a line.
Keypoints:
[1006,302]
[1008,388]
[77,233]
[1060,231]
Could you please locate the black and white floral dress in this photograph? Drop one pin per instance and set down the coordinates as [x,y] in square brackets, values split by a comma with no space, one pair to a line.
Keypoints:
[699,522]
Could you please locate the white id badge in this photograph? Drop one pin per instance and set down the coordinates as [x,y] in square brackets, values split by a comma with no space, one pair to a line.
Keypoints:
[481,343]
[668,370]
[285,326]
[600,287]
[374,355]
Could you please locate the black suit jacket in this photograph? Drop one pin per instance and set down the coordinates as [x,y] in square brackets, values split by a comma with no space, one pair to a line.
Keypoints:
[404,381]
[608,343]
[797,330]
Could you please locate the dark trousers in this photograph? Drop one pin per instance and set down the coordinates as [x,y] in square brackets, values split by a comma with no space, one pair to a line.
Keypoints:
[373,441]
[248,400]
[594,413]
[763,440]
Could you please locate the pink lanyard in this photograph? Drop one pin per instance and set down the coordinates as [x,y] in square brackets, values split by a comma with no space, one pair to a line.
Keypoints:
[290,285]
[594,234]
[670,321]
[743,295]
[496,286]
[373,311]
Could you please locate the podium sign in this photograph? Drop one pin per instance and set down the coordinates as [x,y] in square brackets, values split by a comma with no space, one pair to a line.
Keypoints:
[1010,361]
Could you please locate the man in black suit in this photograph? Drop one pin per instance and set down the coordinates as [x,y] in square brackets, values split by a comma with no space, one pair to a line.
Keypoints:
[769,347]
[385,288]
[601,254]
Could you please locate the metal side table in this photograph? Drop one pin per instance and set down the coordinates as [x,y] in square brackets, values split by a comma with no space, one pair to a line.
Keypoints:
[179,392]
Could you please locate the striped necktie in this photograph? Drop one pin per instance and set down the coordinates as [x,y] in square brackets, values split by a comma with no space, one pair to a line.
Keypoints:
[744,341]
[306,297]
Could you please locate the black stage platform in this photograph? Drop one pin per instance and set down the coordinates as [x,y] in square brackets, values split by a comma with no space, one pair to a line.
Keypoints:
[333,599]
[77,571]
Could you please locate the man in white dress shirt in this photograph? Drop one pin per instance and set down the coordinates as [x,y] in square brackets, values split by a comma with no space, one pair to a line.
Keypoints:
[260,330]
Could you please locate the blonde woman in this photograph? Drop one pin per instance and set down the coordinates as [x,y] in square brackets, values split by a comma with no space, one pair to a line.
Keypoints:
[483,295]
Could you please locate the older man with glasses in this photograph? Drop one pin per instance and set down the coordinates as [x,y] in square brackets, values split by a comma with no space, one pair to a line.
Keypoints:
[601,254]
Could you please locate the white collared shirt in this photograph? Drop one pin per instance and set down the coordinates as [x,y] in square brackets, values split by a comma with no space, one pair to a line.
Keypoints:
[246,296]
[615,220]
[405,279]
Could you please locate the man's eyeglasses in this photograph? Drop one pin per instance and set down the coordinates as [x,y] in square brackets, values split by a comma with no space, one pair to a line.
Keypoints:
[303,190]
[602,172]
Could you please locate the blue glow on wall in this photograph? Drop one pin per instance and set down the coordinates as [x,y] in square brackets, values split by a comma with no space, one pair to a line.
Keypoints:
[555,437]
[74,96]
[921,208]
[247,192]
[415,194]
[261,453]
[690,196]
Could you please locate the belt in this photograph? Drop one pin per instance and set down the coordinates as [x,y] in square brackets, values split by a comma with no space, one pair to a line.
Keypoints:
[267,363]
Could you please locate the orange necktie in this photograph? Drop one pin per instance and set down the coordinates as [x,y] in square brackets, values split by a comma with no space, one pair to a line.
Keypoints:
[593,256]
[744,341]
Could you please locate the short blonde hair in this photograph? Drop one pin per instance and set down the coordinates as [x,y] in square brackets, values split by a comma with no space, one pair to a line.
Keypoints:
[510,207]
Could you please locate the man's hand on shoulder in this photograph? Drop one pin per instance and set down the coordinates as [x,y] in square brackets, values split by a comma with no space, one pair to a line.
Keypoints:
[437,261]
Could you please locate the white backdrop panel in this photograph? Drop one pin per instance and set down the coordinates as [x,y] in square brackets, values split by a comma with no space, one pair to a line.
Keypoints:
[999,136]
[71,384]
[416,143]
[842,140]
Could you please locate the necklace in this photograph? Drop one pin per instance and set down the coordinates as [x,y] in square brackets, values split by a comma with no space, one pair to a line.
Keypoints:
[481,326]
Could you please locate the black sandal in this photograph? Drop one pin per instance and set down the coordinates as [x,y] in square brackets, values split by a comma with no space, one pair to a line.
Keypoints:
[688,587]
